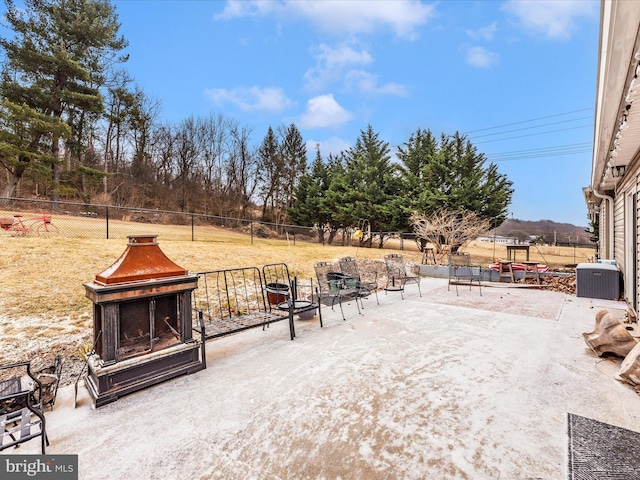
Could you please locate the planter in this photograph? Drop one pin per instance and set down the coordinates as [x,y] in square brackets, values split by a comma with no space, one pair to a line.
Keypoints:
[336,280]
[307,315]
[277,293]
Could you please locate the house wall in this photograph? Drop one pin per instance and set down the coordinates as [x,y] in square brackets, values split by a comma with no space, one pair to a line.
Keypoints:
[617,104]
[636,277]
[624,212]
[618,230]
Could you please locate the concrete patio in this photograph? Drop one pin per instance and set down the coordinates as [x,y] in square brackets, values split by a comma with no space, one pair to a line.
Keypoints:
[442,386]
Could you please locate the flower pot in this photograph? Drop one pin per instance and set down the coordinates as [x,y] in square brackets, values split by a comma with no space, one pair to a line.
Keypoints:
[307,315]
[336,280]
[277,293]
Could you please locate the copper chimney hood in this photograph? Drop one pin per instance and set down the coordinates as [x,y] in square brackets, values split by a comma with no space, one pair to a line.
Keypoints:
[142,260]
[142,321]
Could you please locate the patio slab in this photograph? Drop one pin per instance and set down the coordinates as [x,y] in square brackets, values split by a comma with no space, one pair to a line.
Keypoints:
[415,388]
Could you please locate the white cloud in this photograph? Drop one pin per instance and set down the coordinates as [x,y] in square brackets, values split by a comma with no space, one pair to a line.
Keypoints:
[242,8]
[345,17]
[553,18]
[481,57]
[323,111]
[251,98]
[365,82]
[484,33]
[332,62]
[335,65]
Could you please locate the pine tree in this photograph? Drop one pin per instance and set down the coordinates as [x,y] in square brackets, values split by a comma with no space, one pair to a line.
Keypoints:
[294,163]
[451,175]
[56,61]
[310,193]
[371,187]
[269,170]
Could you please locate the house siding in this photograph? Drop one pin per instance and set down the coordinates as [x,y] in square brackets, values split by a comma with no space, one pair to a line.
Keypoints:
[624,229]
[617,106]
[618,230]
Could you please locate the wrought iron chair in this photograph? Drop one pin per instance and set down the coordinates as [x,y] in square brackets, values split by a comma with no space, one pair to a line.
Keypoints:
[397,276]
[461,269]
[332,286]
[286,294]
[353,279]
[20,419]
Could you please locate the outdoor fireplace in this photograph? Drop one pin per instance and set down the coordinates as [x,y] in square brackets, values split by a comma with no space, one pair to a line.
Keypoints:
[141,322]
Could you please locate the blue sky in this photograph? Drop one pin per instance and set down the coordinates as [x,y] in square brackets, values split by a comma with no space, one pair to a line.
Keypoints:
[517,76]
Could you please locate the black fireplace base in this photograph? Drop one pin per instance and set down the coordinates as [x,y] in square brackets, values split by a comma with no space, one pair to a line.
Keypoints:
[108,383]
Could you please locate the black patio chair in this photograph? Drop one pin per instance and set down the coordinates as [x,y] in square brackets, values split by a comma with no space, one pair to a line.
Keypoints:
[397,276]
[20,419]
[332,286]
[353,279]
[462,270]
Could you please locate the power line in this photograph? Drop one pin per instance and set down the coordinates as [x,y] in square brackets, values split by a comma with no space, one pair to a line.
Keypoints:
[527,121]
[529,128]
[539,155]
[530,150]
[533,134]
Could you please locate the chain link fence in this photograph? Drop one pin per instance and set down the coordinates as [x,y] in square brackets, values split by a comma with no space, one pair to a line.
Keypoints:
[24,217]
[30,217]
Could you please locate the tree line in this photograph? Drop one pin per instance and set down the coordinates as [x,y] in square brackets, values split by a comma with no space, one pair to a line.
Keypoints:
[75,125]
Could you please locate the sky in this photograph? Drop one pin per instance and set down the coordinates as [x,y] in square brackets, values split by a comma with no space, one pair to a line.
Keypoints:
[517,77]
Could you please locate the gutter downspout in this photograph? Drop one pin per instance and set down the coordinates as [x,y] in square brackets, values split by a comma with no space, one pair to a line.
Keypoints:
[609,226]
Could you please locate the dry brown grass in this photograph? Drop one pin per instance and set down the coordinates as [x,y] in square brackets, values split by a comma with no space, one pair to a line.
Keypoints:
[42,297]
[43,307]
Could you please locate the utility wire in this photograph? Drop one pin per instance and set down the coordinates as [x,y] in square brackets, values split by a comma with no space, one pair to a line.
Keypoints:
[533,134]
[527,121]
[556,150]
[545,148]
[529,128]
[576,147]
[538,156]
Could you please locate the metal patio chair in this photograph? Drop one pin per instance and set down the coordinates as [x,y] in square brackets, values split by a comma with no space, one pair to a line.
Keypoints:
[332,286]
[462,270]
[353,279]
[397,276]
[20,418]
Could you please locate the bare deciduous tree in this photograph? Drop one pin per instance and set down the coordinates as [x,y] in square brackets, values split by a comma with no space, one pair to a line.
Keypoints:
[454,229]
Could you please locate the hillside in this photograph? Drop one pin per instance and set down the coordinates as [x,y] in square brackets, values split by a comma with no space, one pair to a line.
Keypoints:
[563,233]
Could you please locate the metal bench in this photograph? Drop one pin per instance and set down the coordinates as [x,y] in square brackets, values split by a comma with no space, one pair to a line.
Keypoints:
[233,300]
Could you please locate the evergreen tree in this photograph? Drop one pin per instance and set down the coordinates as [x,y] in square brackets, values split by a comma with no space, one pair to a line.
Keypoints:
[294,163]
[371,187]
[269,170]
[56,61]
[450,175]
[308,209]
